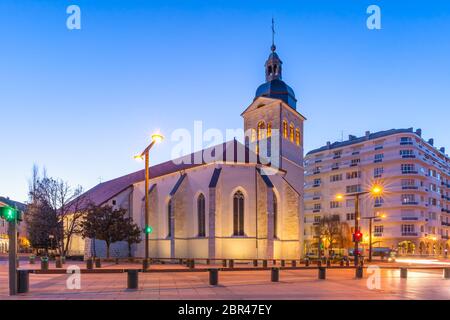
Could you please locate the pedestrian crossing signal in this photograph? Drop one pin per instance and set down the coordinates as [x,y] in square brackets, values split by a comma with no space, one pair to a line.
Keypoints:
[9,214]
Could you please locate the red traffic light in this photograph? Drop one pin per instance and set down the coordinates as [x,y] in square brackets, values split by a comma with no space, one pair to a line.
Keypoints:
[357,236]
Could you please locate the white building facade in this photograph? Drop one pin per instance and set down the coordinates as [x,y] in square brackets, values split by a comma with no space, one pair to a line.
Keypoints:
[413,213]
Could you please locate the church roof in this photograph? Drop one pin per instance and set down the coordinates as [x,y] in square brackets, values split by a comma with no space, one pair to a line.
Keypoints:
[277,89]
[104,191]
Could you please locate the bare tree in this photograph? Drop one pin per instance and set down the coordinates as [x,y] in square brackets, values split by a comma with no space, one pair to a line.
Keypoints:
[332,231]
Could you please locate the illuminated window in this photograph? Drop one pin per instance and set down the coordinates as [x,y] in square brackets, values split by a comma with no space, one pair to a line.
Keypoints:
[238,214]
[269,129]
[297,136]
[201,215]
[285,129]
[261,130]
[253,137]
[291,132]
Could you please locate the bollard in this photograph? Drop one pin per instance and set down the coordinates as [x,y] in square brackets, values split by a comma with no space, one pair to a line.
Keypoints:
[347,263]
[359,272]
[192,264]
[180,261]
[306,262]
[63,260]
[208,261]
[403,273]
[44,263]
[319,263]
[231,263]
[98,263]
[117,260]
[446,273]
[328,263]
[224,263]
[322,273]
[275,275]
[89,264]
[294,263]
[145,264]
[341,263]
[274,262]
[255,263]
[58,263]
[213,277]
[23,281]
[132,281]
[283,263]
[264,263]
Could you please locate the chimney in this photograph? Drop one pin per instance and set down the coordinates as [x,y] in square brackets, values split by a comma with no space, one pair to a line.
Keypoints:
[328,144]
[442,149]
[351,137]
[367,135]
[419,132]
[431,141]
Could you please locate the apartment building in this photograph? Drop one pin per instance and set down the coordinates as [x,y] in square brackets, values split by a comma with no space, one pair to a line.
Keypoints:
[413,213]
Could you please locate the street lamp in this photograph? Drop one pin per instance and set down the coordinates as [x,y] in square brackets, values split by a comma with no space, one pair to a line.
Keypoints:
[156,138]
[375,190]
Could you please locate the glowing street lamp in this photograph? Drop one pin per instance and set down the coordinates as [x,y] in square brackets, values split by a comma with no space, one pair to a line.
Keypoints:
[375,190]
[156,138]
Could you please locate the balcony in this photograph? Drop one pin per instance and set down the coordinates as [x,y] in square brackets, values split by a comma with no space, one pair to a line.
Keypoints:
[410,218]
[409,234]
[377,234]
[410,203]
[377,160]
[410,187]
[408,156]
[447,224]
[410,172]
[406,143]
[316,210]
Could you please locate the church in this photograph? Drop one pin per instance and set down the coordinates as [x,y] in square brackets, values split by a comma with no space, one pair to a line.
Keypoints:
[229,205]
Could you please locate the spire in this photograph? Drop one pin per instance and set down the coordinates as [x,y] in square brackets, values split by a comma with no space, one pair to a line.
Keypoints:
[273,63]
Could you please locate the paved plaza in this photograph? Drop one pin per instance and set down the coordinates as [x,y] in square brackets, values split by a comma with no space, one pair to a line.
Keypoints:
[248,284]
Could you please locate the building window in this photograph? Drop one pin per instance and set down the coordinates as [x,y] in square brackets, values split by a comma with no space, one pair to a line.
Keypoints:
[378,201]
[261,130]
[378,229]
[353,175]
[238,214]
[408,199]
[335,204]
[291,132]
[407,153]
[253,135]
[407,229]
[406,141]
[297,136]
[336,177]
[169,219]
[354,188]
[201,215]
[409,184]
[269,129]
[354,162]
[335,166]
[408,168]
[317,182]
[285,129]
[378,157]
[378,172]
[275,215]
[337,154]
[350,216]
[350,203]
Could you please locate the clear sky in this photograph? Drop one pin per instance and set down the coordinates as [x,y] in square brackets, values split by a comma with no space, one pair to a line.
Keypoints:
[83,102]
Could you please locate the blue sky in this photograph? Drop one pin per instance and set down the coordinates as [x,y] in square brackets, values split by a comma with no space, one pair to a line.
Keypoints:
[83,102]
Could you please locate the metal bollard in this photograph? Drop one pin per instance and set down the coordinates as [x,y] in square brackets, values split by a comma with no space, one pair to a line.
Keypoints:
[359,272]
[89,264]
[23,281]
[274,262]
[255,263]
[145,264]
[44,264]
[231,263]
[58,263]
[208,261]
[283,263]
[403,273]
[213,277]
[192,264]
[132,281]
[98,263]
[306,262]
[117,261]
[224,263]
[294,263]
[446,273]
[264,263]
[347,263]
[322,273]
[341,263]
[275,275]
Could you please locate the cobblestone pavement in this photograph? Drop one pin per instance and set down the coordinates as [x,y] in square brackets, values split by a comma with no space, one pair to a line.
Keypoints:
[294,284]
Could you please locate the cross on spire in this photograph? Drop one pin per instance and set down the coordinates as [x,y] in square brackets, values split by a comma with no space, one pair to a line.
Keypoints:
[273,36]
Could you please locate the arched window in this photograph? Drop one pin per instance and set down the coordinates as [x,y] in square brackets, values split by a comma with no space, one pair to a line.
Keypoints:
[297,136]
[269,129]
[261,130]
[291,132]
[285,129]
[169,219]
[253,137]
[275,215]
[201,215]
[238,214]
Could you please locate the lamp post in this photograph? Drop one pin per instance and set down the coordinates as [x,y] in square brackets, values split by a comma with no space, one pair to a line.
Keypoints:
[375,190]
[370,234]
[156,138]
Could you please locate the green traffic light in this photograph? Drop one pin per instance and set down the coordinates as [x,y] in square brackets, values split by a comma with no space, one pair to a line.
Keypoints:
[8,213]
[148,229]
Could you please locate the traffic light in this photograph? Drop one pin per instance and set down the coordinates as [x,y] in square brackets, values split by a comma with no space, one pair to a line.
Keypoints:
[357,236]
[148,229]
[8,213]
